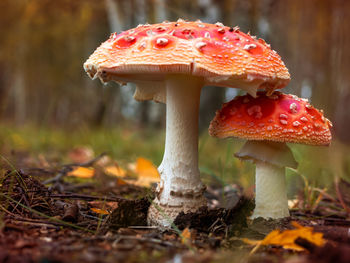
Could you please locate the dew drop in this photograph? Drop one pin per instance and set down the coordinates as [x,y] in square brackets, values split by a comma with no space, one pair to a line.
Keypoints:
[162,41]
[200,45]
[296,123]
[293,108]
[249,46]
[284,122]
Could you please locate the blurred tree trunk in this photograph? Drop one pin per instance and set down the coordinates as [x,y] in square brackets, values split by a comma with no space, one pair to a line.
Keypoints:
[19,95]
[151,11]
[254,14]
[159,10]
[143,12]
[114,16]
[110,103]
[321,65]
[340,65]
[3,95]
[314,40]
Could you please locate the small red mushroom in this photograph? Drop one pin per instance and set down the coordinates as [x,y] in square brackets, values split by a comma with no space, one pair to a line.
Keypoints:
[170,62]
[268,122]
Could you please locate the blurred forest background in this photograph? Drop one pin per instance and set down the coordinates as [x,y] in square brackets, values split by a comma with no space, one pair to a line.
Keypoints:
[44,44]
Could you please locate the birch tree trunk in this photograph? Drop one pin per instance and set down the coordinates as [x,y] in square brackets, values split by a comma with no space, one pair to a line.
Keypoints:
[109,109]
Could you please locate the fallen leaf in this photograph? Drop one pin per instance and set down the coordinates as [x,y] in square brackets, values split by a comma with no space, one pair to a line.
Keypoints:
[104,205]
[186,236]
[115,170]
[82,172]
[121,182]
[99,211]
[147,172]
[145,167]
[286,238]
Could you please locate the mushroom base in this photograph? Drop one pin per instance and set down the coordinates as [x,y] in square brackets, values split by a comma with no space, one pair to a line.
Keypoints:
[163,215]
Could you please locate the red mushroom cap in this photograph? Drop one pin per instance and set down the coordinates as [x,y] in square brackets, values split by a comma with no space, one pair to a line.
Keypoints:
[279,117]
[224,56]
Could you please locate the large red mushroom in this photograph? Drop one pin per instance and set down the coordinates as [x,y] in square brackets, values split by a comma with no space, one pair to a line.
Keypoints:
[170,62]
[268,122]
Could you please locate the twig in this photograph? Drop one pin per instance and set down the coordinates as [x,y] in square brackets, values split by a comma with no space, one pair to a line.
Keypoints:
[325,194]
[86,197]
[59,175]
[47,224]
[68,167]
[46,216]
[318,200]
[144,239]
[20,219]
[23,193]
[7,211]
[88,163]
[143,227]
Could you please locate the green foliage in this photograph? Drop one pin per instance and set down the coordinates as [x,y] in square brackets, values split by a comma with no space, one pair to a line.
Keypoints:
[216,161]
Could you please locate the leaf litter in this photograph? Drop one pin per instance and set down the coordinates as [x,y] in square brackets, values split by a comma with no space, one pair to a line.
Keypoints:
[95,209]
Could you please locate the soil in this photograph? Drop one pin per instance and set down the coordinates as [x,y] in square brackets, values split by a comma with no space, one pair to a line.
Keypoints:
[47,217]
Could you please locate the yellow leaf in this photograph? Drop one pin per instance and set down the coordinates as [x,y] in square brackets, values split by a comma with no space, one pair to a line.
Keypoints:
[286,238]
[146,168]
[82,172]
[99,211]
[109,206]
[186,236]
[147,173]
[115,170]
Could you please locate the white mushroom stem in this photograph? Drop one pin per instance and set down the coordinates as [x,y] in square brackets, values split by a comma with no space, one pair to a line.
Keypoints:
[270,158]
[270,194]
[180,188]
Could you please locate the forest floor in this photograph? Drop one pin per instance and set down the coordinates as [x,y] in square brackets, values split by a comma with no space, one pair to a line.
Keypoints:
[92,210]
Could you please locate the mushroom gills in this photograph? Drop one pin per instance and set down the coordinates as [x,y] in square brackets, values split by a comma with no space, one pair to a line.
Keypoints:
[275,153]
[150,90]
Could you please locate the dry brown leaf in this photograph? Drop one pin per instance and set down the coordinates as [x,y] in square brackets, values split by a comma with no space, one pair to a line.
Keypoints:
[82,172]
[104,205]
[286,238]
[186,236]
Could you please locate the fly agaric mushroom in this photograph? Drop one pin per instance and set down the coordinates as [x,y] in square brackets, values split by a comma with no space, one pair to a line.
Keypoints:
[170,62]
[268,122]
